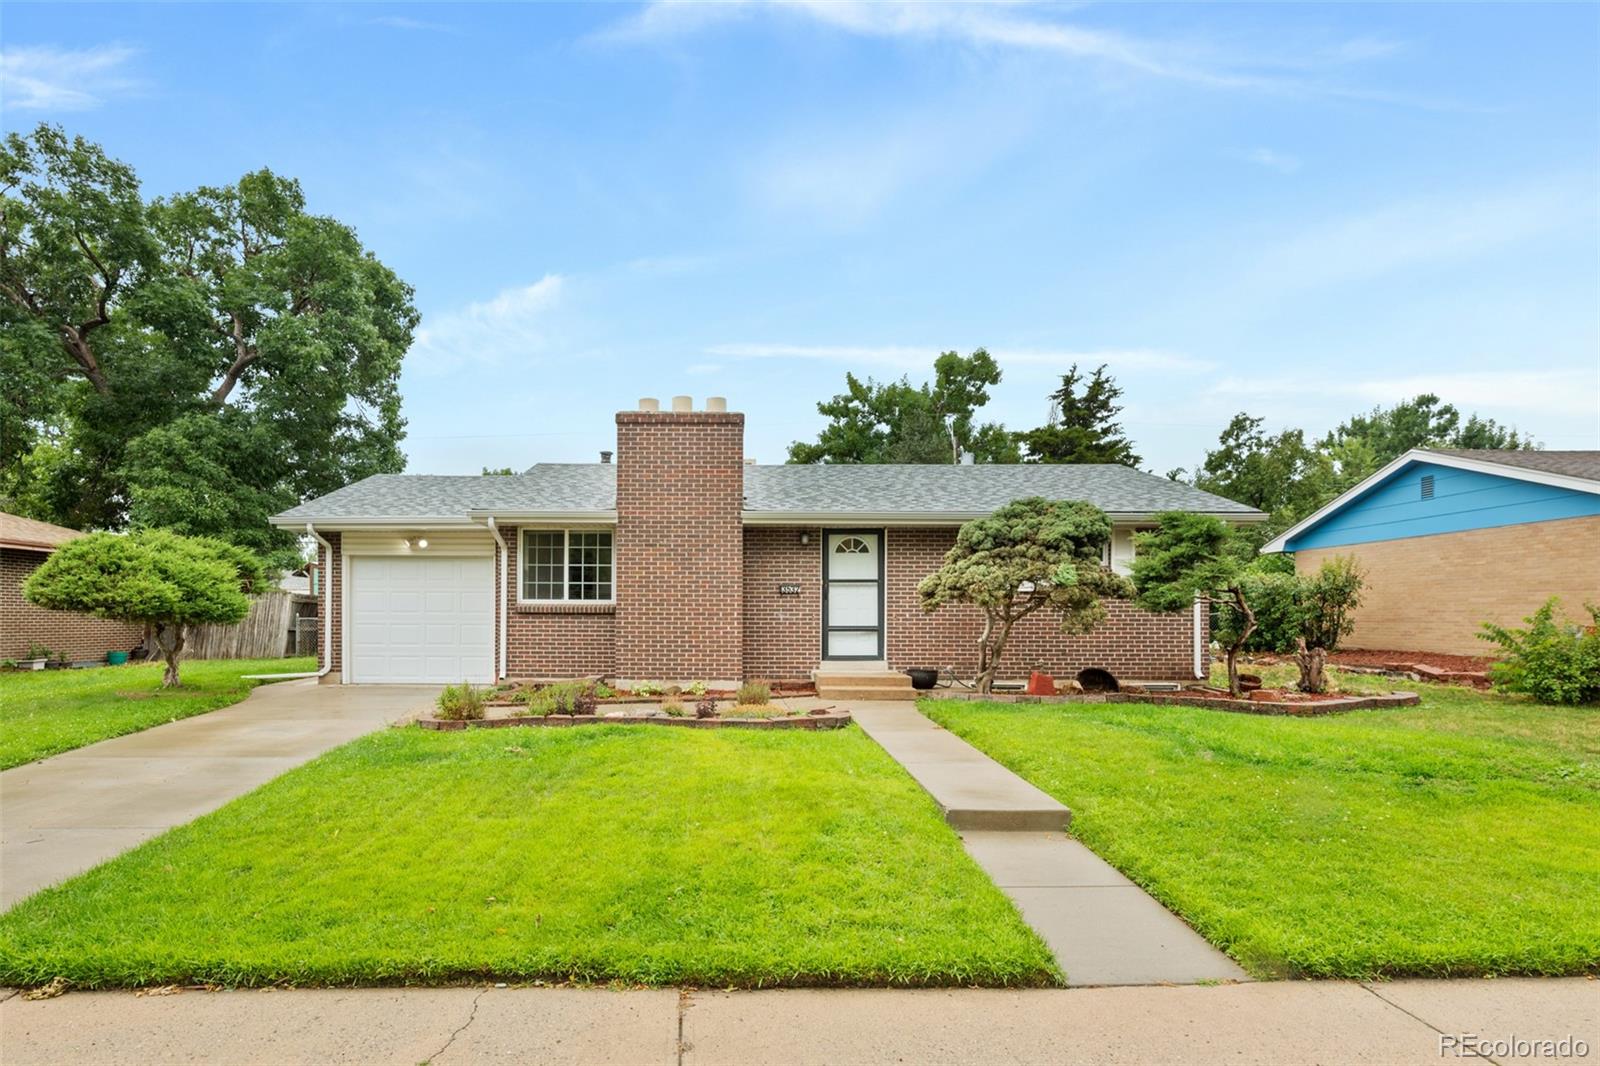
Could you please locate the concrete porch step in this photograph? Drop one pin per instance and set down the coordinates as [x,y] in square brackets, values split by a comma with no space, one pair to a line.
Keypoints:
[863,686]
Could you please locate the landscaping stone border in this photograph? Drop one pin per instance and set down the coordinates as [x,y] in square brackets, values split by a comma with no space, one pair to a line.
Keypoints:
[811,722]
[1287,708]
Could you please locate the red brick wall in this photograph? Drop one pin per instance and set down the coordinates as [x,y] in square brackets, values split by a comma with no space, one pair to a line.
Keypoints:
[78,636]
[329,610]
[549,641]
[782,634]
[679,547]
[1130,643]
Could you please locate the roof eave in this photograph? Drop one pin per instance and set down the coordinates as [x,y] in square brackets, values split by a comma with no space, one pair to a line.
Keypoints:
[1423,455]
[944,518]
[335,522]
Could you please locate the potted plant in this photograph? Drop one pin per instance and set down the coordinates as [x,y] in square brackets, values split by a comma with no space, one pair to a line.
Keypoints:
[38,655]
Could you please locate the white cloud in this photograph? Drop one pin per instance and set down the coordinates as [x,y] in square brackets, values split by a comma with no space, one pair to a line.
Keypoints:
[1282,162]
[703,368]
[1543,392]
[906,357]
[513,325]
[1018,26]
[45,78]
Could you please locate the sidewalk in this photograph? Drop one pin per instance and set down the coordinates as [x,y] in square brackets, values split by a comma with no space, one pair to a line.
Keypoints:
[1270,1023]
[1102,928]
[60,816]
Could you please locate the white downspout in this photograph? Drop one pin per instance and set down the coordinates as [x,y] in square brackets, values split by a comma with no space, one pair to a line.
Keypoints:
[500,608]
[1199,663]
[327,604]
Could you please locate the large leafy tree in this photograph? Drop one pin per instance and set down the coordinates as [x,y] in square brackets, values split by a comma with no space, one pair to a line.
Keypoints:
[898,422]
[1030,555]
[196,361]
[1424,421]
[155,578]
[1083,426]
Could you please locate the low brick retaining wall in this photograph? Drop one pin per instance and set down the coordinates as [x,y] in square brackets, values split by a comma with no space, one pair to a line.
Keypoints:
[829,720]
[1294,708]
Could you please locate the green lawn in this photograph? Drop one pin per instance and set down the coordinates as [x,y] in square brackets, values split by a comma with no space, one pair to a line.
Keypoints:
[633,854]
[49,711]
[1458,837]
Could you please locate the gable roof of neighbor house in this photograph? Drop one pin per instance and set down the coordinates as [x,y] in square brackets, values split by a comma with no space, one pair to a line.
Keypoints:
[773,494]
[32,535]
[1573,471]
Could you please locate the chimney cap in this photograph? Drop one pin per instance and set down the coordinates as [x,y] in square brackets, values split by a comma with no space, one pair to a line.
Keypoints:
[683,403]
[716,403]
[649,403]
[605,456]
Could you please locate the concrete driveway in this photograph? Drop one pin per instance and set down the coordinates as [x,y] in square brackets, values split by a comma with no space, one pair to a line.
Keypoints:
[72,811]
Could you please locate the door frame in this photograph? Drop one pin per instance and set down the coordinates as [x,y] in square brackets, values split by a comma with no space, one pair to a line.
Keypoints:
[881,627]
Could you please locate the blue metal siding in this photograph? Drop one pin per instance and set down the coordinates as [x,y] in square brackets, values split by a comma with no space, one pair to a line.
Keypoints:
[1462,499]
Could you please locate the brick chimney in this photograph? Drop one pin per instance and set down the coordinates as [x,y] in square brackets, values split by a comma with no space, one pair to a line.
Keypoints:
[680,543]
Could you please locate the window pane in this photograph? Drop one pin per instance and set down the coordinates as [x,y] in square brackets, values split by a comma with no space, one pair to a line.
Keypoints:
[588,565]
[541,565]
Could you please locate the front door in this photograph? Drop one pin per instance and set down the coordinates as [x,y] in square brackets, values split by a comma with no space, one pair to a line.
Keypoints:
[852,594]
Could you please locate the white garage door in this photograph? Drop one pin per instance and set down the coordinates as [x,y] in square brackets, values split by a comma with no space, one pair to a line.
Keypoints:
[421,619]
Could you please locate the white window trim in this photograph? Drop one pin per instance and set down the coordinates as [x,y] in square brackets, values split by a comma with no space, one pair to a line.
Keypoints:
[566,543]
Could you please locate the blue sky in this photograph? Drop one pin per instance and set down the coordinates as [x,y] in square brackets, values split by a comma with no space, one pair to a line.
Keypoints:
[1294,210]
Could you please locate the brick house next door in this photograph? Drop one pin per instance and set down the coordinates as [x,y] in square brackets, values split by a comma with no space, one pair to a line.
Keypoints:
[852,594]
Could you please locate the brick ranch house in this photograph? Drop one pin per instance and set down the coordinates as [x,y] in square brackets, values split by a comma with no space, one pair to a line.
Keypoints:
[24,545]
[681,561]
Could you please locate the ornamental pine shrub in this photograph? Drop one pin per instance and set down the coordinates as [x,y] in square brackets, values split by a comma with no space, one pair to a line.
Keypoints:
[1553,661]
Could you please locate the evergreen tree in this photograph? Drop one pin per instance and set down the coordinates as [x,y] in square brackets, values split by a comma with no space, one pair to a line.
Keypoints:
[1083,427]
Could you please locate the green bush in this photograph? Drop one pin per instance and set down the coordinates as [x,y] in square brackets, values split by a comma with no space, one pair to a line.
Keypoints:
[461,703]
[754,694]
[647,688]
[1552,661]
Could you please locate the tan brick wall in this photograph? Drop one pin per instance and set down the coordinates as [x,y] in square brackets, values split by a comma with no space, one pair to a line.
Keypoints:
[78,636]
[1131,644]
[1433,593]
[680,545]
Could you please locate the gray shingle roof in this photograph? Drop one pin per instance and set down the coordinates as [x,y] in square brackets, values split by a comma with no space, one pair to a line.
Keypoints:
[894,489]
[772,491]
[1572,464]
[564,487]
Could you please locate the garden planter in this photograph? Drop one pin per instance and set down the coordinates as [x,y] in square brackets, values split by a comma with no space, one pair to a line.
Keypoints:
[32,664]
[116,658]
[1249,682]
[1041,684]
[923,678]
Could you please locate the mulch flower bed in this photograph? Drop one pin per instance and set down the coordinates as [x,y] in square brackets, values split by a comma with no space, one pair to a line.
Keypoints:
[821,718]
[1406,665]
[1263,701]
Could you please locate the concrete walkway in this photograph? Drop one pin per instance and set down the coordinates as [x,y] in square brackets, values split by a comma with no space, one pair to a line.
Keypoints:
[1103,929]
[1270,1023]
[60,816]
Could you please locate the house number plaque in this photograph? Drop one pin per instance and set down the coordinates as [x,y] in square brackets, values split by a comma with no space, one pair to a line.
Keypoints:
[788,589]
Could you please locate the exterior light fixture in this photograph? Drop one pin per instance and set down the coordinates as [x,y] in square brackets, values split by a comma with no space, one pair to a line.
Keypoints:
[417,543]
[422,542]
[805,537]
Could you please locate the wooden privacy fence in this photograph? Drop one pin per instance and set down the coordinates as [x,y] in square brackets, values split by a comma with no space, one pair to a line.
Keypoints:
[267,632]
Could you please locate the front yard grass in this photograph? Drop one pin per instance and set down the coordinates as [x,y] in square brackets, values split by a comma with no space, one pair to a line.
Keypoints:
[46,712]
[1458,837]
[607,853]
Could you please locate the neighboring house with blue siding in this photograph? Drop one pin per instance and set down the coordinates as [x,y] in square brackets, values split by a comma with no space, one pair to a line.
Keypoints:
[1451,538]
